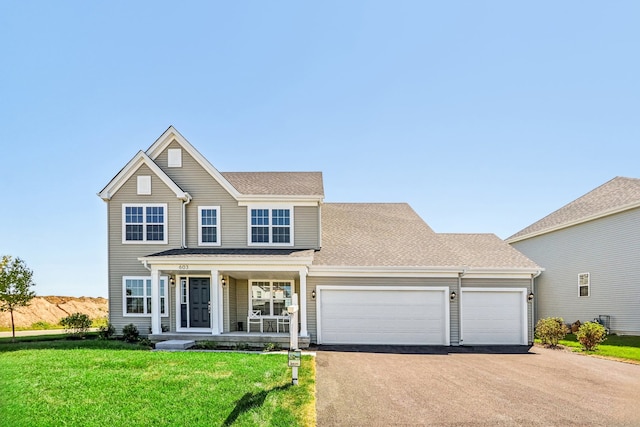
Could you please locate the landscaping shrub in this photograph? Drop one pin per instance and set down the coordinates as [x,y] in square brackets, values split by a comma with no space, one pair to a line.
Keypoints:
[106,332]
[130,333]
[591,334]
[76,324]
[272,346]
[551,330]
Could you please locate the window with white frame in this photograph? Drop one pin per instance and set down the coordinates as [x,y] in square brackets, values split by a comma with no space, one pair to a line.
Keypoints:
[137,296]
[271,226]
[271,297]
[584,284]
[144,223]
[209,225]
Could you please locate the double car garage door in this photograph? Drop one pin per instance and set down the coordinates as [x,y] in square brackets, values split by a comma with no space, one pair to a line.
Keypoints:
[418,315]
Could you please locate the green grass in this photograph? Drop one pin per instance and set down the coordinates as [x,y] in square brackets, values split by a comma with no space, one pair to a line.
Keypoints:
[98,383]
[618,346]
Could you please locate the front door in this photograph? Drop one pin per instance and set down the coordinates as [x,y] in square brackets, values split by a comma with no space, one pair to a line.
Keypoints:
[199,303]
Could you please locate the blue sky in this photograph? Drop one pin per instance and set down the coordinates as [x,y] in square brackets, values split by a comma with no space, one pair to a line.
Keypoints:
[484,116]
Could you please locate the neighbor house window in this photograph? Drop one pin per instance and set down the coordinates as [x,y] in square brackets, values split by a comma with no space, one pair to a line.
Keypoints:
[144,223]
[137,296]
[270,297]
[584,284]
[271,226]
[209,225]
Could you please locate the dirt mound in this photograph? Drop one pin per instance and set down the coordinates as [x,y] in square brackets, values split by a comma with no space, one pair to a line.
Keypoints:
[51,309]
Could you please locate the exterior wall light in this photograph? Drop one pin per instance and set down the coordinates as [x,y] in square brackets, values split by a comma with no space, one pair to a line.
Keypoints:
[313,294]
[453,295]
[223,281]
[172,280]
[530,296]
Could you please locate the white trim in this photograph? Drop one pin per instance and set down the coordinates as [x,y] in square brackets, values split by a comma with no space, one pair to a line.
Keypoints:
[174,158]
[144,297]
[172,134]
[403,271]
[217,226]
[525,313]
[443,289]
[178,318]
[130,169]
[144,240]
[588,285]
[249,200]
[270,208]
[291,282]
[574,222]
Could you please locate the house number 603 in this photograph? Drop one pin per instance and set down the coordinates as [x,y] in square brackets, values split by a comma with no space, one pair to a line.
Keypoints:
[183,267]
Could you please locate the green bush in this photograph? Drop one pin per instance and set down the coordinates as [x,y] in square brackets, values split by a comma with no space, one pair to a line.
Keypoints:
[272,346]
[106,332]
[551,330]
[130,333]
[76,324]
[590,335]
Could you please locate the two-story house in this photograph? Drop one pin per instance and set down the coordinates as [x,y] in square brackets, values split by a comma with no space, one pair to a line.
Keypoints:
[198,253]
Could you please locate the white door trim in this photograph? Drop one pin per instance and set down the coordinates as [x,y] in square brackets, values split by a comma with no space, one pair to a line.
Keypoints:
[525,322]
[443,289]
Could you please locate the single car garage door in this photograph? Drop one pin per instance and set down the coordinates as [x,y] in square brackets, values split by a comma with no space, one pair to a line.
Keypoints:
[382,315]
[493,316]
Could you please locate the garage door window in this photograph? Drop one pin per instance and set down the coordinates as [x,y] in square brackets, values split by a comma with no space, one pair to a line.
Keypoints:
[270,297]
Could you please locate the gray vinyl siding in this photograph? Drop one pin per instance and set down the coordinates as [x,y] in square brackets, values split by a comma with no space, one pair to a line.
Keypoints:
[608,249]
[305,222]
[505,283]
[123,258]
[313,282]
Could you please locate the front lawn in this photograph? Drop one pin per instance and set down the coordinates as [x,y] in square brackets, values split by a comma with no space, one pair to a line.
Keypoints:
[618,346]
[98,383]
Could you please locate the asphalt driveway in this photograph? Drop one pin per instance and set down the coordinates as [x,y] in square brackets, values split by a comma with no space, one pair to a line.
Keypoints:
[474,387]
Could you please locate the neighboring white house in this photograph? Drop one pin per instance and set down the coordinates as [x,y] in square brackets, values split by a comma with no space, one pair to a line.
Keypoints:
[202,254]
[590,250]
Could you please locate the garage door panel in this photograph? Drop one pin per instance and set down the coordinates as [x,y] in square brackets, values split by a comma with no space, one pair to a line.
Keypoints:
[493,317]
[374,316]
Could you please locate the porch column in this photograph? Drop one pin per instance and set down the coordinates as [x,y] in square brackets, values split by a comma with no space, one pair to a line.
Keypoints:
[155,301]
[215,302]
[303,303]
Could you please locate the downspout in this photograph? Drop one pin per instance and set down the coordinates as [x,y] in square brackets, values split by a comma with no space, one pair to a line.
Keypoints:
[146,265]
[185,202]
[462,273]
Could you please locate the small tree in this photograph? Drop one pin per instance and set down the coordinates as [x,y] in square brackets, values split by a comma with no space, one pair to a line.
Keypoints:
[76,324]
[15,286]
[591,334]
[551,330]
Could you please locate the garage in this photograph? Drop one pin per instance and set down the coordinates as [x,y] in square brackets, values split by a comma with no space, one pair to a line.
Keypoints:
[382,315]
[493,316]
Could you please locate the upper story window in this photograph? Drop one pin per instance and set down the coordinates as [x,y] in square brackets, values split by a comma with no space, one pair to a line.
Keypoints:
[271,226]
[144,223]
[137,296]
[209,226]
[584,284]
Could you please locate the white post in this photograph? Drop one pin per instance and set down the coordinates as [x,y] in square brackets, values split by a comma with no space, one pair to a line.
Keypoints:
[303,302]
[213,302]
[293,328]
[156,328]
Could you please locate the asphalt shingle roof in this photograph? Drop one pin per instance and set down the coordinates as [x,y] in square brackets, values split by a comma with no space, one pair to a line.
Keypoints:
[379,234]
[485,251]
[612,195]
[277,183]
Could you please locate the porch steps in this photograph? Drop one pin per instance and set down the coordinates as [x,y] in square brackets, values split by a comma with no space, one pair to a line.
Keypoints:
[175,345]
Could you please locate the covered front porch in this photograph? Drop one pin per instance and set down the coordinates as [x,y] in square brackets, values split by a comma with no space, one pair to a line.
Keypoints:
[233,299]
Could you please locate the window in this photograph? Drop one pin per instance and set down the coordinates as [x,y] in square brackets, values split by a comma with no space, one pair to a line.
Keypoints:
[270,297]
[209,225]
[137,296]
[269,226]
[584,284]
[144,223]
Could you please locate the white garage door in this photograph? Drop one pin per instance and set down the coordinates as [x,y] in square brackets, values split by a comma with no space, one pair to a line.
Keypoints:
[493,316]
[382,315]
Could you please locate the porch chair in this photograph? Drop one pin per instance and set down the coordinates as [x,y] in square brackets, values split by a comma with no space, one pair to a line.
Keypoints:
[254,318]
[284,320]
